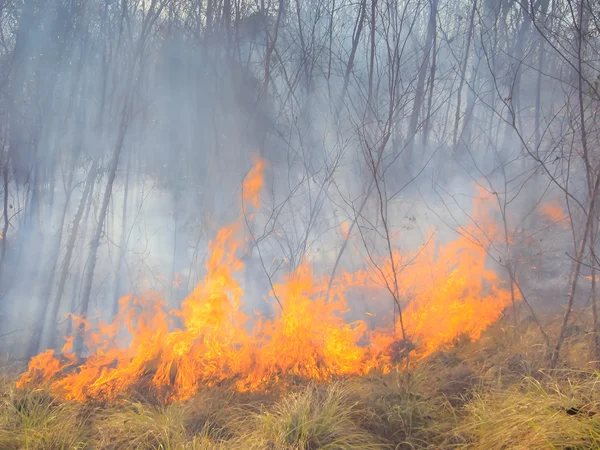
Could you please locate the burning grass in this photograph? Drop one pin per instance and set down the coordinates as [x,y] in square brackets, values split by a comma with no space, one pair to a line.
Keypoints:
[446,288]
[206,377]
[493,393]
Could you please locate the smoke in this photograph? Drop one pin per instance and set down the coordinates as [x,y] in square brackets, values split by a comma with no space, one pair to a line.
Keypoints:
[188,101]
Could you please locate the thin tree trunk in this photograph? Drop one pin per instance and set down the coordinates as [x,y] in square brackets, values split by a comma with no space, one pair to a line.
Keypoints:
[330,30]
[174,259]
[81,261]
[433,23]
[463,71]
[540,69]
[595,331]
[95,243]
[420,91]
[355,40]
[372,53]
[53,317]
[124,240]
[578,261]
[42,316]
[359,211]
[5,211]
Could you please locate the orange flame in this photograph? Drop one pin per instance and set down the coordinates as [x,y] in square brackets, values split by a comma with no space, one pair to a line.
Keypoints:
[254,182]
[344,230]
[177,280]
[553,211]
[446,291]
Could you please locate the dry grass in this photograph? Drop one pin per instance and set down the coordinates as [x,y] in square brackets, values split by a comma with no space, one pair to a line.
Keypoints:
[315,418]
[35,420]
[535,416]
[491,394]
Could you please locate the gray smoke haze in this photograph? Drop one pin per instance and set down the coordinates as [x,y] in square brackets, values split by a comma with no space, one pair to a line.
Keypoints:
[128,127]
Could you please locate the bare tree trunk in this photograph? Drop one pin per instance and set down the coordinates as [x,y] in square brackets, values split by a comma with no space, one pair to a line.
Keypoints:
[209,18]
[95,243]
[174,259]
[372,52]
[42,316]
[595,331]
[578,261]
[330,31]
[5,211]
[464,138]
[359,212]
[433,23]
[420,91]
[540,69]
[81,261]
[53,316]
[355,40]
[124,240]
[271,43]
[463,71]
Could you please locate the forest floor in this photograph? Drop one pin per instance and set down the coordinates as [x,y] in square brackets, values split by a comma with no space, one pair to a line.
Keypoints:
[494,393]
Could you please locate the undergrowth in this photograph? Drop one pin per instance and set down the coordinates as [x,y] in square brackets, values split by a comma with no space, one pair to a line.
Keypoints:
[496,393]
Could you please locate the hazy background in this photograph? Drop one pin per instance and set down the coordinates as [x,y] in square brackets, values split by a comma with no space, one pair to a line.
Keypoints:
[127,129]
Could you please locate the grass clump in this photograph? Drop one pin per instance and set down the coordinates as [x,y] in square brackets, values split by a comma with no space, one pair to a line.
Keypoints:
[315,418]
[35,420]
[405,412]
[496,393]
[139,426]
[533,415]
[198,424]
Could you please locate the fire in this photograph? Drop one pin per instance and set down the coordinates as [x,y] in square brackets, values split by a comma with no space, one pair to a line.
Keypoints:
[177,280]
[445,300]
[254,182]
[344,229]
[553,211]
[446,291]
